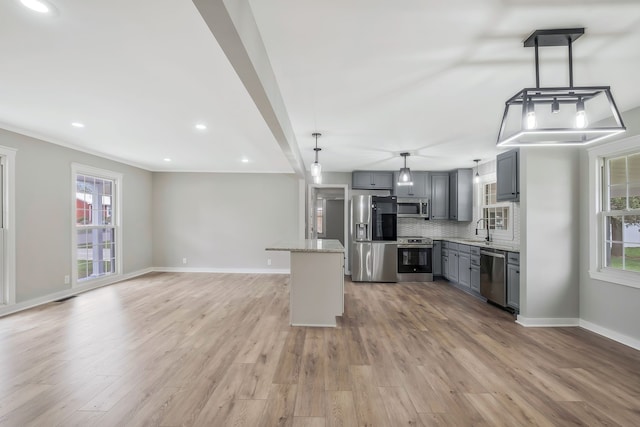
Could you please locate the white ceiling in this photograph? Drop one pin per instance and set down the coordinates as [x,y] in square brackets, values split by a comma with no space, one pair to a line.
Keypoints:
[376,78]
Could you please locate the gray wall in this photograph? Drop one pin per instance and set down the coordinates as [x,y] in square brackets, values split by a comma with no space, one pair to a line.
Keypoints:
[223,221]
[43,214]
[606,305]
[550,234]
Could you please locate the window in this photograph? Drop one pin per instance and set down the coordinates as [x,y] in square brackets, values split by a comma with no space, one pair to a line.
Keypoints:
[621,212]
[496,215]
[614,236]
[96,231]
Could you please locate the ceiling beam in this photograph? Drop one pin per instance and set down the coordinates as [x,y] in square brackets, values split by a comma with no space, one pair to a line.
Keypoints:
[234,27]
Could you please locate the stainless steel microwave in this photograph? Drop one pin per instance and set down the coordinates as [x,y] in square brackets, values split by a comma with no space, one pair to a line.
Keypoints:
[413,208]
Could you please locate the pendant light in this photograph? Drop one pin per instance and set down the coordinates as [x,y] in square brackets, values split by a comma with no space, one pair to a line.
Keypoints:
[316,168]
[404,177]
[573,115]
[476,179]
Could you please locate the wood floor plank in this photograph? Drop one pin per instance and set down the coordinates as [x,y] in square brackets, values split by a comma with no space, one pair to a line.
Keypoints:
[184,349]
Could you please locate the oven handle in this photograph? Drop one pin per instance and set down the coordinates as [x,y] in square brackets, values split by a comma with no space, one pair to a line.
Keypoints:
[415,246]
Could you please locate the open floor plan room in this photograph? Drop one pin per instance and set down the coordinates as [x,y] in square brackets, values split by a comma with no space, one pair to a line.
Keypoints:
[182,349]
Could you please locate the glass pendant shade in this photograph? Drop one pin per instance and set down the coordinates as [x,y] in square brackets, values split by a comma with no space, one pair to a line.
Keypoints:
[316,169]
[404,177]
[573,115]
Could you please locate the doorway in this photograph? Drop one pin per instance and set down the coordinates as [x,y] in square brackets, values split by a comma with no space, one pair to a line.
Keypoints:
[328,212]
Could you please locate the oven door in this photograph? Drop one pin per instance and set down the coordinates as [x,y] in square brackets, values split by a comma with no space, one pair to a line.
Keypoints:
[414,259]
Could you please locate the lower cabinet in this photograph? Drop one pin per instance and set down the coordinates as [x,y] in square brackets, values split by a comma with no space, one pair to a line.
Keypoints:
[453,265]
[464,270]
[445,263]
[437,258]
[475,278]
[513,280]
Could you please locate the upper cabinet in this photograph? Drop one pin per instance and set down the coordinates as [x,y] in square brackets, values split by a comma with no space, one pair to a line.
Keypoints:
[461,195]
[372,180]
[439,195]
[507,180]
[421,187]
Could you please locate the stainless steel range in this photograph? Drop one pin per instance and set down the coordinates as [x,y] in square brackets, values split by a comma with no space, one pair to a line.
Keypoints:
[415,259]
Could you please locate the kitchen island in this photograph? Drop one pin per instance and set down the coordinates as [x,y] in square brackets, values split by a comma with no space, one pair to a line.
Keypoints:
[316,290]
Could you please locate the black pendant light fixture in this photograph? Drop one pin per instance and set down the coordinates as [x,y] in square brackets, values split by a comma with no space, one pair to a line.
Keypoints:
[404,177]
[316,168]
[573,115]
[476,179]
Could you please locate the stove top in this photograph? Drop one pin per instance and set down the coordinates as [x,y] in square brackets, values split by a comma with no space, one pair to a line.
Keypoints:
[415,240]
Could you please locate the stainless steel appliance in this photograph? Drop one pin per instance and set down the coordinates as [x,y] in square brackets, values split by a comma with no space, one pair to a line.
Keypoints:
[413,208]
[374,232]
[492,276]
[415,259]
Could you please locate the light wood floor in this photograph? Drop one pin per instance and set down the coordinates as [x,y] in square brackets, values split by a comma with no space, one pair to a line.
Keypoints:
[216,350]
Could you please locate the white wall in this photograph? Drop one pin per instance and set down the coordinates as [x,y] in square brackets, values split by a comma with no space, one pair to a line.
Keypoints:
[223,222]
[550,235]
[44,210]
[609,308]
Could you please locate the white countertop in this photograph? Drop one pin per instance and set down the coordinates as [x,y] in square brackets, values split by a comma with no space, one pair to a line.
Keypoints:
[481,243]
[308,245]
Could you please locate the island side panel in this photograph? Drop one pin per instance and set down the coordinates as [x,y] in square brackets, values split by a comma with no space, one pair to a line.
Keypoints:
[316,288]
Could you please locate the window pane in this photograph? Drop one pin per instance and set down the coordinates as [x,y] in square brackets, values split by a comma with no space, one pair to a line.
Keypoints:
[632,256]
[631,230]
[633,163]
[634,196]
[618,171]
[614,255]
[617,197]
[613,230]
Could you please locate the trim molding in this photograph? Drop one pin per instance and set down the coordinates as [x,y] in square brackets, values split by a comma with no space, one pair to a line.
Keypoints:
[613,335]
[536,322]
[222,270]
[25,305]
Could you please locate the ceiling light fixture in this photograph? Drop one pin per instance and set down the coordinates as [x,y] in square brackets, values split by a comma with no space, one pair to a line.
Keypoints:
[166,159]
[200,126]
[77,125]
[37,5]
[245,160]
[316,168]
[404,177]
[476,179]
[579,115]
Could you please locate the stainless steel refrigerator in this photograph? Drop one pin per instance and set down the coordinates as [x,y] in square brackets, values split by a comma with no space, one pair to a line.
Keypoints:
[374,254]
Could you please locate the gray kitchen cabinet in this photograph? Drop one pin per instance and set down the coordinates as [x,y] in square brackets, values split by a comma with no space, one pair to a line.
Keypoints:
[461,195]
[445,263]
[507,179]
[513,280]
[421,187]
[436,258]
[475,268]
[440,195]
[464,269]
[453,262]
[372,180]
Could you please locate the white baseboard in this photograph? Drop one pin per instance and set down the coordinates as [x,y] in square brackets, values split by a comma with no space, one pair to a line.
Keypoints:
[535,322]
[25,305]
[613,335]
[223,270]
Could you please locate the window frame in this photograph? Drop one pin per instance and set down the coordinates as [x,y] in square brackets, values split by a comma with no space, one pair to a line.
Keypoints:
[597,213]
[80,169]
[506,234]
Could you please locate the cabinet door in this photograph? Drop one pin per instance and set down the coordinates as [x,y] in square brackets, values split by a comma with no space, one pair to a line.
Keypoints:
[475,278]
[513,286]
[464,270]
[453,266]
[445,264]
[453,195]
[464,193]
[436,255]
[440,195]
[382,180]
[508,186]
[361,180]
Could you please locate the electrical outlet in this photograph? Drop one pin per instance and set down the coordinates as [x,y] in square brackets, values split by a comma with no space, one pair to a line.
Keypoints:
[184,260]
[67,279]
[268,261]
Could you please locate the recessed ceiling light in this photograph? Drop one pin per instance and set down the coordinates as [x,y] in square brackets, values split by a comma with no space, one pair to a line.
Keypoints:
[166,159]
[200,126]
[77,125]
[38,5]
[245,160]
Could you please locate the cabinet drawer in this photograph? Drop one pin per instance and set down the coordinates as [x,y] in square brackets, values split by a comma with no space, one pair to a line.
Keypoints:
[513,258]
[474,250]
[453,246]
[465,249]
[445,244]
[475,260]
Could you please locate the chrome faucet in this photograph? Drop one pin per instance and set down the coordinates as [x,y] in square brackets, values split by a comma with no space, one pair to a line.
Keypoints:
[486,220]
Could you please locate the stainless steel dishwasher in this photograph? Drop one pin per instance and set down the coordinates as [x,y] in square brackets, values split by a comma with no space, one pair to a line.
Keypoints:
[492,276]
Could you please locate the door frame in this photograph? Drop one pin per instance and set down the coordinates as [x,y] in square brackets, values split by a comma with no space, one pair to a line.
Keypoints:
[8,285]
[311,193]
